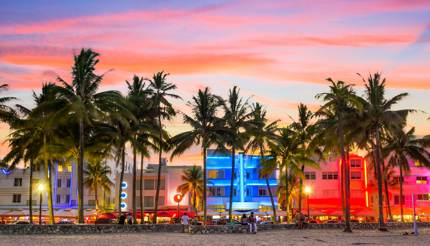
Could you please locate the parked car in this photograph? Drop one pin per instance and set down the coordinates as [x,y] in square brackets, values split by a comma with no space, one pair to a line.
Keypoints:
[101,221]
[22,222]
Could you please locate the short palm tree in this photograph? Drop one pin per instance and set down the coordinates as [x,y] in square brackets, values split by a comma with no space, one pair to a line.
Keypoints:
[204,131]
[236,122]
[193,185]
[402,146]
[161,91]
[97,178]
[262,135]
[378,119]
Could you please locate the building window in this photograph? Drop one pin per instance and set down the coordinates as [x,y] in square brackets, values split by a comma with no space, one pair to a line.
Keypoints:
[423,197]
[148,201]
[68,183]
[397,200]
[16,198]
[162,184]
[67,198]
[59,183]
[247,175]
[310,175]
[247,192]
[212,174]
[69,168]
[148,184]
[17,182]
[60,168]
[355,175]
[234,192]
[91,202]
[262,191]
[161,201]
[422,180]
[216,191]
[329,175]
[419,164]
[58,199]
[355,163]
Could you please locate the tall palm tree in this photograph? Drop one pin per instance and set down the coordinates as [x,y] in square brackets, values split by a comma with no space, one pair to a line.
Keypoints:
[97,177]
[378,119]
[139,105]
[404,145]
[193,185]
[204,131]
[236,122]
[84,104]
[161,92]
[304,132]
[340,102]
[262,135]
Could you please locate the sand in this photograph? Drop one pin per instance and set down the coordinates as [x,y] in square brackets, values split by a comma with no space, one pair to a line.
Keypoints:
[273,238]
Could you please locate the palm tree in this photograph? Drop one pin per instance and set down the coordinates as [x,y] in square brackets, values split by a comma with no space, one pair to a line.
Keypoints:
[304,132]
[193,185]
[140,108]
[290,158]
[378,119]
[97,177]
[7,113]
[340,102]
[84,105]
[205,131]
[262,134]
[161,92]
[235,121]
[402,146]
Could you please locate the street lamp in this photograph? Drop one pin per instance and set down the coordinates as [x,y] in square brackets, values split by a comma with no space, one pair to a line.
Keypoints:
[308,191]
[40,188]
[178,199]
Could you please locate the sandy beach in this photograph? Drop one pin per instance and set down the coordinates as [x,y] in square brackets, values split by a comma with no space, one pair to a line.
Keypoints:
[273,238]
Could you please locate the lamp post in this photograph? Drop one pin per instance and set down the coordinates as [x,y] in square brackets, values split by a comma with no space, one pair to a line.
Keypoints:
[40,188]
[178,199]
[308,191]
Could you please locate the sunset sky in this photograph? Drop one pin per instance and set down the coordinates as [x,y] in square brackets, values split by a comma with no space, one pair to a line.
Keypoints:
[278,52]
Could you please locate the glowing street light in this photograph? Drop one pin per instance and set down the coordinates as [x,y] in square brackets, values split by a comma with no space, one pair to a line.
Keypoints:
[308,191]
[178,199]
[40,188]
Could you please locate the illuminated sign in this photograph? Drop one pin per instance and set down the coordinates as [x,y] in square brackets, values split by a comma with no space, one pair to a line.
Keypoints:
[124,185]
[124,195]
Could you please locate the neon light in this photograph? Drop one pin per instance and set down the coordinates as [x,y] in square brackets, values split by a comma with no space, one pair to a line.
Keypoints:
[123,205]
[365,183]
[124,185]
[241,185]
[124,195]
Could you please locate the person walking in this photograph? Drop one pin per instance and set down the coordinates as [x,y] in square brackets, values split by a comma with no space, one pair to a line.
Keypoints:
[252,223]
[185,221]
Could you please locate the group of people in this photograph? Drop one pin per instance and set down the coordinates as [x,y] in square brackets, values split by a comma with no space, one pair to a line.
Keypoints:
[251,221]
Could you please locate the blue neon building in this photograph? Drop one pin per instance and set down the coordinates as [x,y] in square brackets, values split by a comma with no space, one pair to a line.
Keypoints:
[250,191]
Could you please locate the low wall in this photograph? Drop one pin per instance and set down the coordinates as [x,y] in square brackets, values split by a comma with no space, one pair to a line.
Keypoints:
[97,229]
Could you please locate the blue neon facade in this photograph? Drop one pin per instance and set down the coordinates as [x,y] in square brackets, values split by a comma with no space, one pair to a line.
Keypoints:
[250,191]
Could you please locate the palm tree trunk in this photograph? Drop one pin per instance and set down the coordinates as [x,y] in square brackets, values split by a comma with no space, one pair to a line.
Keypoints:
[287,193]
[30,194]
[160,152]
[121,179]
[379,177]
[204,186]
[50,200]
[301,190]
[230,208]
[401,194]
[80,173]
[387,198]
[270,191]
[345,164]
[195,201]
[134,184]
[141,189]
[97,198]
